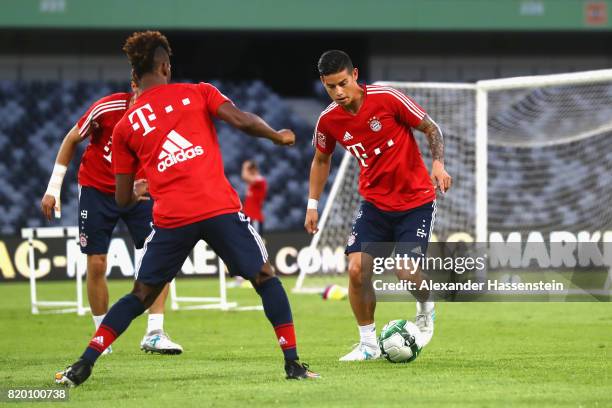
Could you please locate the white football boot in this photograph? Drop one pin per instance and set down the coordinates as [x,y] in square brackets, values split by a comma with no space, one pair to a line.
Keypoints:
[108,350]
[157,341]
[362,352]
[425,322]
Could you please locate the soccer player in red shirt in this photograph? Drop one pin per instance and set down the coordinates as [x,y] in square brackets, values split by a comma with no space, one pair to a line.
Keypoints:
[257,188]
[374,123]
[98,212]
[169,131]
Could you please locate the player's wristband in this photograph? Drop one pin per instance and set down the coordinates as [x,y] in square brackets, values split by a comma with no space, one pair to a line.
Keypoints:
[57,178]
[312,204]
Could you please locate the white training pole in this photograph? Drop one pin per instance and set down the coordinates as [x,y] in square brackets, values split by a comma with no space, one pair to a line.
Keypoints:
[222,287]
[200,303]
[33,300]
[481,164]
[173,303]
[50,306]
[79,284]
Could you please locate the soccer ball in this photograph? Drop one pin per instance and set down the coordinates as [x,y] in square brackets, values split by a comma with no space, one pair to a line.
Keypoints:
[335,292]
[400,341]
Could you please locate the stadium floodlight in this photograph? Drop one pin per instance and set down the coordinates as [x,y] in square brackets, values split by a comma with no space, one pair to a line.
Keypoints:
[526,154]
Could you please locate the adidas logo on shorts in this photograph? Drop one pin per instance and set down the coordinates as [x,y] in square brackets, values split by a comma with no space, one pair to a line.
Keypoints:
[176,149]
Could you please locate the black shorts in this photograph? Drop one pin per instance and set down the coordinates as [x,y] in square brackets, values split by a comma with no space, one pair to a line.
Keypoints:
[231,236]
[98,215]
[379,232]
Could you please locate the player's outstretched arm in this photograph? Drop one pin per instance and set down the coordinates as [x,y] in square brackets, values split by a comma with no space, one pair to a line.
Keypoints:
[319,172]
[51,200]
[254,125]
[440,178]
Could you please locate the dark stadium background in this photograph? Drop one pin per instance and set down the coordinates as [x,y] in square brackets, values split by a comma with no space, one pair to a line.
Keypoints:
[58,56]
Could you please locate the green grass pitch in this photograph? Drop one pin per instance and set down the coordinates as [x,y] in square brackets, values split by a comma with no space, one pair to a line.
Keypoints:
[482,355]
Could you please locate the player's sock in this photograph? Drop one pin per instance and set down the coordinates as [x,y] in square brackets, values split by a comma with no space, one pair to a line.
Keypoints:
[116,321]
[424,307]
[278,311]
[97,320]
[367,334]
[155,322]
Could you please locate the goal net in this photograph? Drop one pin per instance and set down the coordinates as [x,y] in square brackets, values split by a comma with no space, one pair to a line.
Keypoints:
[525,154]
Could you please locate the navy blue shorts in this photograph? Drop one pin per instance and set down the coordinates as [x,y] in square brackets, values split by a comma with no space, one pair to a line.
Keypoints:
[374,230]
[231,236]
[98,215]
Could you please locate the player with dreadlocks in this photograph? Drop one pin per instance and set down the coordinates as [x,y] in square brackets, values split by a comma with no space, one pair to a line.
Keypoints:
[169,132]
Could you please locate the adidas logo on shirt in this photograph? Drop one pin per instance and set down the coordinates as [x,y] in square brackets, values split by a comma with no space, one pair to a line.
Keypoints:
[347,136]
[176,149]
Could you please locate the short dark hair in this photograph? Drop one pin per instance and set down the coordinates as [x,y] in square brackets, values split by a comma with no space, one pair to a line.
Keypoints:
[251,165]
[140,49]
[334,61]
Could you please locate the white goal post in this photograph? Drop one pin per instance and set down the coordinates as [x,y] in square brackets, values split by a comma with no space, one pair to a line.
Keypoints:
[508,142]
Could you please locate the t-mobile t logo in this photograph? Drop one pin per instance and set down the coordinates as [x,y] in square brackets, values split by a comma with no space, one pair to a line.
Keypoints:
[359,152]
[142,119]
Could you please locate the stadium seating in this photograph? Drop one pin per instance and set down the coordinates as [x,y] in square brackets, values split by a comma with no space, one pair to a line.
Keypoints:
[528,190]
[35,116]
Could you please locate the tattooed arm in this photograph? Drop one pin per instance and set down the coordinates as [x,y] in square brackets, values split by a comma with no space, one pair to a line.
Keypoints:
[439,176]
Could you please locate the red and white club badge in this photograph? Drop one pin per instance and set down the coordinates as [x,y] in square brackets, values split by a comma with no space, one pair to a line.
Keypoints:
[375,124]
[83,240]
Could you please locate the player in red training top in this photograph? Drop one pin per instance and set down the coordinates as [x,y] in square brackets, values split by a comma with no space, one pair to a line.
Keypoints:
[98,212]
[374,123]
[169,131]
[257,188]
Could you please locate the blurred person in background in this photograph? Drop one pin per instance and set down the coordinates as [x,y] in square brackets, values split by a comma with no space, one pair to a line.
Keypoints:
[255,196]
[256,191]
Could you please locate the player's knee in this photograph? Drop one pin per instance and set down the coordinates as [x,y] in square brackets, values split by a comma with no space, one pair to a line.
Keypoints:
[355,272]
[96,265]
[147,293]
[266,273]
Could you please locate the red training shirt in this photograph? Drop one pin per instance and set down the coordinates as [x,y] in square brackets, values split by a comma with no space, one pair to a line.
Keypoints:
[392,174]
[170,132]
[96,164]
[254,200]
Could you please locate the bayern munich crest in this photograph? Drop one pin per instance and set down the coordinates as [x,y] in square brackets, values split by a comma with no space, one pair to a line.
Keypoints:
[351,239]
[83,240]
[375,124]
